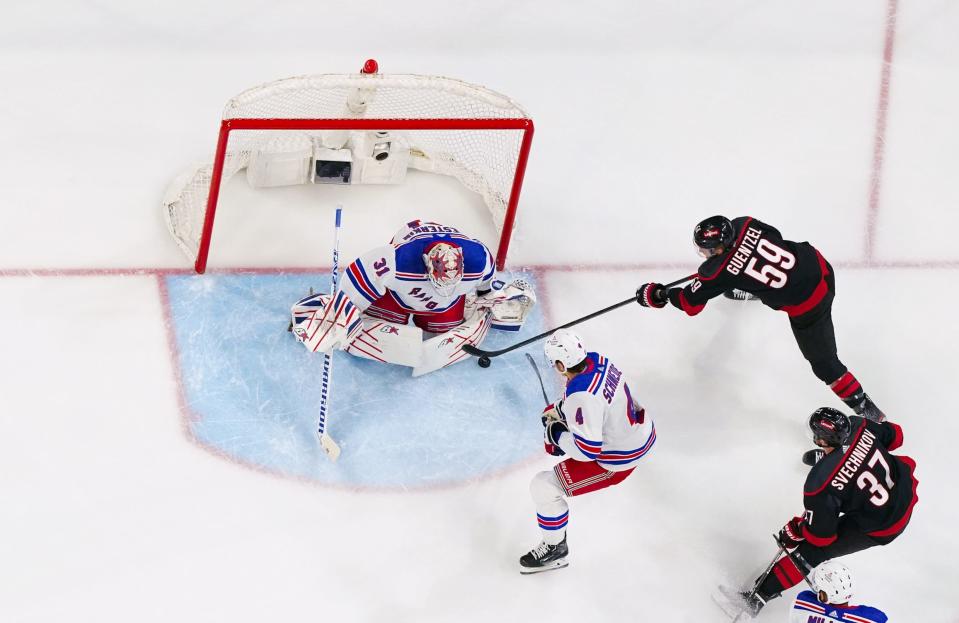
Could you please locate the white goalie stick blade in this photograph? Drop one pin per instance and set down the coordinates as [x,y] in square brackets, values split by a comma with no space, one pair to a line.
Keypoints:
[329,446]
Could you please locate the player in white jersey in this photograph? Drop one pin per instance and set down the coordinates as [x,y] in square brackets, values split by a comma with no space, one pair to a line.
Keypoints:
[601,429]
[830,603]
[433,274]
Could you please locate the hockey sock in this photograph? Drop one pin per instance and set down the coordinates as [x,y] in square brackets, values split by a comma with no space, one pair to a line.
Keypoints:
[848,389]
[785,574]
[554,528]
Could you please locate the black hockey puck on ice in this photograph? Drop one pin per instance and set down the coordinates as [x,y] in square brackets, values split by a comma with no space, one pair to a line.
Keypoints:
[484,362]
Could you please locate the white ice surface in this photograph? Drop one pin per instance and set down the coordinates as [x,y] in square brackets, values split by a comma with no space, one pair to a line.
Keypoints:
[649,115]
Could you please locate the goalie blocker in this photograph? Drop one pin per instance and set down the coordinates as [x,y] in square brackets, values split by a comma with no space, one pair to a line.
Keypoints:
[322,327]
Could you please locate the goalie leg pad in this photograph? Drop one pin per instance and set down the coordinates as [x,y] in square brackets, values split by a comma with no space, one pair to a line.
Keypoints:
[387,342]
[447,348]
[322,322]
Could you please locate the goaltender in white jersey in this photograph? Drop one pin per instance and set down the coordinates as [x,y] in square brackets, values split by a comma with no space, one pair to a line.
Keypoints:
[433,274]
[602,430]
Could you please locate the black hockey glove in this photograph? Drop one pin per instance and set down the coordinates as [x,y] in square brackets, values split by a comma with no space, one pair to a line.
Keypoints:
[554,429]
[791,534]
[652,295]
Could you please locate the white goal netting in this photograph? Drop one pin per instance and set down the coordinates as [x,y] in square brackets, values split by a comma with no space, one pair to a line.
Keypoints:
[299,129]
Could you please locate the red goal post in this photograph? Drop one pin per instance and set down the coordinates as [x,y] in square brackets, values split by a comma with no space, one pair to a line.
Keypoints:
[359,129]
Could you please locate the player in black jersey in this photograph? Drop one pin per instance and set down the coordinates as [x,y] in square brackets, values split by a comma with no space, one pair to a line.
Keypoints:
[748,255]
[858,496]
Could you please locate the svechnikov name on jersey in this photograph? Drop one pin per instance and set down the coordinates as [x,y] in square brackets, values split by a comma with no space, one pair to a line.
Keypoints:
[855,459]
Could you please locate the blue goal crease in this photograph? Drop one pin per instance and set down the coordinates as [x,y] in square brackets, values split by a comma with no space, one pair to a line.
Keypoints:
[254,393]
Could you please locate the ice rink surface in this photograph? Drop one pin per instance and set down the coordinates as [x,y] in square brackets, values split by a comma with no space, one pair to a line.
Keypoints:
[833,121]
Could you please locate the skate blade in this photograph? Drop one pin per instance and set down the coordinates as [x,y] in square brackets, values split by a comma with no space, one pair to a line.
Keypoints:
[730,607]
[556,564]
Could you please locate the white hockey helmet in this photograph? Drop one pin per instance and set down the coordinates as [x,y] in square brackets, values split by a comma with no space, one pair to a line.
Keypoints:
[565,347]
[833,581]
[444,266]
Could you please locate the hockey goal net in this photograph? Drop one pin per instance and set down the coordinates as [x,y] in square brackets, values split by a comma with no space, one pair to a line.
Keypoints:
[363,128]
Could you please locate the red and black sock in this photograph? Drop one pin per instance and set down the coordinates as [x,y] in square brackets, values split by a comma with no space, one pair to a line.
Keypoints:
[848,389]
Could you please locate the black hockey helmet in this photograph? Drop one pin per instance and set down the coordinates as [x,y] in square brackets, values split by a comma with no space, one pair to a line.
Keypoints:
[714,231]
[830,425]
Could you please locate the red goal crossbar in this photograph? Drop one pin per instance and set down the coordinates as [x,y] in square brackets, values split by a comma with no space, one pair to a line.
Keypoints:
[228,125]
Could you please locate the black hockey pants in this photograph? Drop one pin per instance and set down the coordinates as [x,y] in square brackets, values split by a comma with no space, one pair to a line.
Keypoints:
[816,337]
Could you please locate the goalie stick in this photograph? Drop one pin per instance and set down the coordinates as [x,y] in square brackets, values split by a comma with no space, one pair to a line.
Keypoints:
[326,442]
[486,355]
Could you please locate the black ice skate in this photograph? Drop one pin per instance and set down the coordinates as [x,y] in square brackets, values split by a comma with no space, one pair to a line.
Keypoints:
[811,457]
[868,409]
[736,602]
[544,557]
[740,295]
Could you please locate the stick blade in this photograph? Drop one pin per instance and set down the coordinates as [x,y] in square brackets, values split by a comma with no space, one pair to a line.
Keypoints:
[330,447]
[476,352]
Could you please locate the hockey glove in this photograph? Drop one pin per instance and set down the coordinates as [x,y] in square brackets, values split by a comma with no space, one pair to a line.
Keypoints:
[553,413]
[554,450]
[551,436]
[791,534]
[651,295]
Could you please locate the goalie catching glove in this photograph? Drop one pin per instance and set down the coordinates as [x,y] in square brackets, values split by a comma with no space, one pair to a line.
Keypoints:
[322,326]
[509,304]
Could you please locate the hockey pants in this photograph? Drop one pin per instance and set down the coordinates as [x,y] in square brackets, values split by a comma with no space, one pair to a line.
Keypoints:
[816,337]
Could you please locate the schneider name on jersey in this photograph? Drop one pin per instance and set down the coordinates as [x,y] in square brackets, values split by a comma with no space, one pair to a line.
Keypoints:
[606,424]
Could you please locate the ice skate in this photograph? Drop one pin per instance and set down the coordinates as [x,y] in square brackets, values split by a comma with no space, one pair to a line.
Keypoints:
[544,557]
[811,457]
[738,602]
[868,409]
[740,295]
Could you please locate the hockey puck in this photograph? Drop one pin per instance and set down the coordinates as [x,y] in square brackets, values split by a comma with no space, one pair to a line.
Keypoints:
[484,362]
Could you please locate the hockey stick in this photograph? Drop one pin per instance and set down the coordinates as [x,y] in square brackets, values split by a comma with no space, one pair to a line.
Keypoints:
[486,355]
[539,376]
[762,578]
[798,560]
[326,442]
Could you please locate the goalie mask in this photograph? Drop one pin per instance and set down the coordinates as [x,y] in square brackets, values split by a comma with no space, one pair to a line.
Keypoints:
[444,266]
